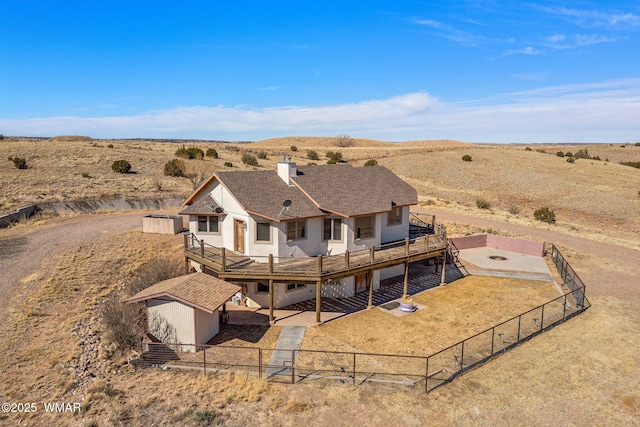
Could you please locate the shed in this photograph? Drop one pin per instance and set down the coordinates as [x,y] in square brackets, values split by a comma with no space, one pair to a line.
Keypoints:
[185,309]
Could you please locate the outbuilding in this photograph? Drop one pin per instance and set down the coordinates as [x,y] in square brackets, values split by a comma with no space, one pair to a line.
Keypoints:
[185,310]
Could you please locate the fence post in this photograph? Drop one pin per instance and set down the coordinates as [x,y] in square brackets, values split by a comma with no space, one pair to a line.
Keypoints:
[293,366]
[426,376]
[462,357]
[564,308]
[493,338]
[519,323]
[354,369]
[204,360]
[259,363]
[542,318]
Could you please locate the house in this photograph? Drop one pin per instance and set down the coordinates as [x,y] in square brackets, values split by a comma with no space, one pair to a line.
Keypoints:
[298,233]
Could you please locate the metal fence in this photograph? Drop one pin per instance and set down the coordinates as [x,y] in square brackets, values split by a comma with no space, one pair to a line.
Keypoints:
[429,372]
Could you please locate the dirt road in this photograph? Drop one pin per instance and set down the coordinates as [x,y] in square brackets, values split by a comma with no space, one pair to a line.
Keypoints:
[22,250]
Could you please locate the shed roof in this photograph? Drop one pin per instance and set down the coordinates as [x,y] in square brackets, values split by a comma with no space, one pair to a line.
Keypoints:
[198,290]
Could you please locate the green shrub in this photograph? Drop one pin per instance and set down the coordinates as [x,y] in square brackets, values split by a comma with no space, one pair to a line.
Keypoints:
[189,153]
[560,154]
[182,153]
[174,167]
[110,146]
[312,155]
[19,162]
[228,164]
[637,144]
[262,155]
[568,154]
[249,159]
[483,203]
[466,158]
[527,149]
[371,162]
[632,164]
[514,210]
[545,214]
[541,150]
[293,148]
[212,153]
[2,137]
[582,153]
[571,159]
[596,158]
[121,166]
[331,162]
[335,156]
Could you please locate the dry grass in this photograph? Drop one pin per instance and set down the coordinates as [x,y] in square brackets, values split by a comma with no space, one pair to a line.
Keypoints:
[488,301]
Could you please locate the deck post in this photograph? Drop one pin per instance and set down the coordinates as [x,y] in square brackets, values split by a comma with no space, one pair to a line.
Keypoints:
[223,256]
[186,265]
[270,263]
[186,241]
[406,279]
[346,260]
[426,242]
[270,300]
[370,284]
[406,246]
[202,248]
[318,300]
[371,253]
[319,265]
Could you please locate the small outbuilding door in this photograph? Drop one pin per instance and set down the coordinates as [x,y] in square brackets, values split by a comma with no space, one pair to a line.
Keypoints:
[239,236]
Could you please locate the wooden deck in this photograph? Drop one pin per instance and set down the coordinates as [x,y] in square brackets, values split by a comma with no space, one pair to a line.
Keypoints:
[234,266]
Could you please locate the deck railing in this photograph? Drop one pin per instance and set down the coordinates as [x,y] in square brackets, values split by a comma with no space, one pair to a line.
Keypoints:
[228,261]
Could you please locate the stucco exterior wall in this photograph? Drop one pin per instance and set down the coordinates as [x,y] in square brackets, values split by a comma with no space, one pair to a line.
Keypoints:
[392,233]
[207,325]
[522,246]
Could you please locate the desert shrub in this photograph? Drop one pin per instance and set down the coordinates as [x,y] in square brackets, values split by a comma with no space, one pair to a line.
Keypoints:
[568,154]
[212,153]
[293,148]
[466,158]
[545,214]
[228,164]
[331,162]
[560,154]
[151,272]
[571,159]
[482,203]
[85,174]
[514,210]
[174,167]
[527,149]
[249,159]
[596,158]
[312,155]
[182,152]
[121,166]
[582,153]
[632,164]
[345,141]
[19,162]
[110,146]
[123,324]
[335,156]
[2,137]
[371,162]
[262,155]
[195,153]
[312,164]
[541,150]
[637,144]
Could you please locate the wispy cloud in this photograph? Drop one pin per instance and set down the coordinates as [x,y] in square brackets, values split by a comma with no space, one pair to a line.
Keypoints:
[596,18]
[269,88]
[451,33]
[528,50]
[598,112]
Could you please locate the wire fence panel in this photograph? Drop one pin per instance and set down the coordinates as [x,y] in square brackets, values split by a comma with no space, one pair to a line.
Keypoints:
[478,348]
[553,312]
[530,323]
[444,365]
[505,335]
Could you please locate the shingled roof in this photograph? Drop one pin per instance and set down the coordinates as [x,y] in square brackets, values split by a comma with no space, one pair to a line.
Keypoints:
[204,206]
[349,191]
[198,290]
[317,191]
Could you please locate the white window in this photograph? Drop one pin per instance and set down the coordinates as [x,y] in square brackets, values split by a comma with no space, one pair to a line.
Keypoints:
[208,224]
[332,229]
[395,216]
[296,229]
[365,226]
[263,232]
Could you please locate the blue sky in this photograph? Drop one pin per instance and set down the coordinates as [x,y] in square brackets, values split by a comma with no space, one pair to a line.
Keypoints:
[477,71]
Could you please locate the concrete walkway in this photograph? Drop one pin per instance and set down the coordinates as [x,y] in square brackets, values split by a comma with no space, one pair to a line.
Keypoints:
[281,360]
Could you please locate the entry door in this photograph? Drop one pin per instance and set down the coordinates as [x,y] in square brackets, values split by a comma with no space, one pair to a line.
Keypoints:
[239,236]
[361,283]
